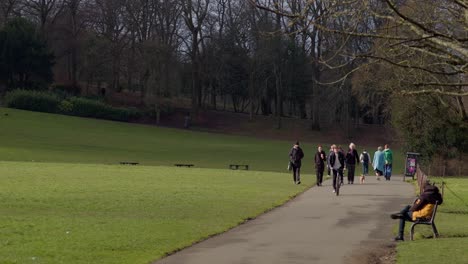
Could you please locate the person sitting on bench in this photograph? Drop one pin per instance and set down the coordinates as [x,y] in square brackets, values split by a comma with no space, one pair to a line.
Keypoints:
[422,208]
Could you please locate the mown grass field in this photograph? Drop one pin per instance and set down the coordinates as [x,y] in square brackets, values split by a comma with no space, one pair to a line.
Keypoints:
[452,224]
[84,213]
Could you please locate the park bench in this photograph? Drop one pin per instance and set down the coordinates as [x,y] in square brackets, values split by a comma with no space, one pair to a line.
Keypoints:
[426,221]
[236,166]
[183,165]
[129,163]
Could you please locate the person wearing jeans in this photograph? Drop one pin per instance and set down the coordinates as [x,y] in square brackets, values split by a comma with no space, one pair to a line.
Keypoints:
[320,160]
[388,157]
[336,161]
[365,160]
[422,208]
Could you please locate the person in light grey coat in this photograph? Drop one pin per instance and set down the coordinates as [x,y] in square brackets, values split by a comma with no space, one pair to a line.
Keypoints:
[379,162]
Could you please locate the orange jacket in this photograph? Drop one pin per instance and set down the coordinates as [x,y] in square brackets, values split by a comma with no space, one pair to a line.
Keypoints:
[425,212]
[423,207]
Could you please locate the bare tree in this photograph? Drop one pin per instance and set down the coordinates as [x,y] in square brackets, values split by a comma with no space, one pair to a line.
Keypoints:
[8,9]
[437,30]
[194,13]
[108,21]
[44,12]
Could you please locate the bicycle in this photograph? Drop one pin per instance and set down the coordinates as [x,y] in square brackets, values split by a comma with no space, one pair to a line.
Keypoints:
[337,181]
[337,184]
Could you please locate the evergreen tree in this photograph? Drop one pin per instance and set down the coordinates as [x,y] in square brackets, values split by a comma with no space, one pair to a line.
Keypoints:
[25,61]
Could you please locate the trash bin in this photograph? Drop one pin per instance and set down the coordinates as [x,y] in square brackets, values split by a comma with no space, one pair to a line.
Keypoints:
[411,164]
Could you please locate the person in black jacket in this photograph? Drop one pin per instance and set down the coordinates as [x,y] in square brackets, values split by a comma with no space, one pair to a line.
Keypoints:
[352,157]
[336,160]
[295,156]
[320,159]
[328,164]
[421,208]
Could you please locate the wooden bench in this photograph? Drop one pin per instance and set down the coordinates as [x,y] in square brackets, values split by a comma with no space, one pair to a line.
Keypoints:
[426,221]
[184,165]
[236,166]
[128,163]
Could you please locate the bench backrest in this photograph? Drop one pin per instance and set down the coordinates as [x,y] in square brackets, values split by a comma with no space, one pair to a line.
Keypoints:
[434,211]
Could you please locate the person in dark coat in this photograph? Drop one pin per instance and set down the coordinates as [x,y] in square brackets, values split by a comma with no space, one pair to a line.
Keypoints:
[320,161]
[340,149]
[328,163]
[337,162]
[295,156]
[421,208]
[352,157]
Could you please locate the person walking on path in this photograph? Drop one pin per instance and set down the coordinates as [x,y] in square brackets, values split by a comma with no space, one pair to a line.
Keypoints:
[295,156]
[340,149]
[378,162]
[328,164]
[422,208]
[320,160]
[388,156]
[337,162]
[365,160]
[352,157]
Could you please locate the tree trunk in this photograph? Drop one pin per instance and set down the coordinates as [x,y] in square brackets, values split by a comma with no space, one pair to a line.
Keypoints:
[196,97]
[213,95]
[278,101]
[315,125]
[252,90]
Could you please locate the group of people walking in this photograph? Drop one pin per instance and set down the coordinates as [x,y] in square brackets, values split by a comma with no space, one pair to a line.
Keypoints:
[336,161]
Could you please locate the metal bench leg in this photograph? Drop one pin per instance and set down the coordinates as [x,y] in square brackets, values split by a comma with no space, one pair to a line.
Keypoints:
[434,230]
[412,231]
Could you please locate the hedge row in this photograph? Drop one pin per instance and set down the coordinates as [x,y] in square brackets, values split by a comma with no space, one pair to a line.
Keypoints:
[75,106]
[33,101]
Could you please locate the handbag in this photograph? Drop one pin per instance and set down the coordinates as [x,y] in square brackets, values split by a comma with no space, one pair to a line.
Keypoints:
[289,165]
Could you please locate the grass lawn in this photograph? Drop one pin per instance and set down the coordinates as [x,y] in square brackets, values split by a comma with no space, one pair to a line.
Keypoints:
[85,213]
[74,204]
[28,136]
[452,223]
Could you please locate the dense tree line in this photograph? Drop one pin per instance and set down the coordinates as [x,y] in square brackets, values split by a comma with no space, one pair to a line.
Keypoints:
[220,53]
[329,61]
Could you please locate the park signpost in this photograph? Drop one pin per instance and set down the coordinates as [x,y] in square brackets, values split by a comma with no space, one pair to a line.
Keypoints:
[411,164]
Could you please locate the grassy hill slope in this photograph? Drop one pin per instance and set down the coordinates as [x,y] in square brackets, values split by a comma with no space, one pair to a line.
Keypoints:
[40,137]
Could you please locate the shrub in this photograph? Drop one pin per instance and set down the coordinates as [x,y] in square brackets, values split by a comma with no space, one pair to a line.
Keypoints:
[33,101]
[91,108]
[76,106]
[65,107]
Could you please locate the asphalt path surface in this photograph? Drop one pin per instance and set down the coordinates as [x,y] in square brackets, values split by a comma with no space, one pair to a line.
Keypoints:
[315,227]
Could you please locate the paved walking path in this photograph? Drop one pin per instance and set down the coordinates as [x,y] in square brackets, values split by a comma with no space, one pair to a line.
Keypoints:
[316,227]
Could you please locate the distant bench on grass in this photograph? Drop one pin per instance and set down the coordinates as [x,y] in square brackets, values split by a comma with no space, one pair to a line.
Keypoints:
[183,165]
[237,166]
[128,163]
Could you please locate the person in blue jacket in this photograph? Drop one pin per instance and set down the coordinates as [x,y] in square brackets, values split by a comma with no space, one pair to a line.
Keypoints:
[379,162]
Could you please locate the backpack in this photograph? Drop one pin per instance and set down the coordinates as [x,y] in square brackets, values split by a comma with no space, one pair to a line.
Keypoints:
[365,158]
